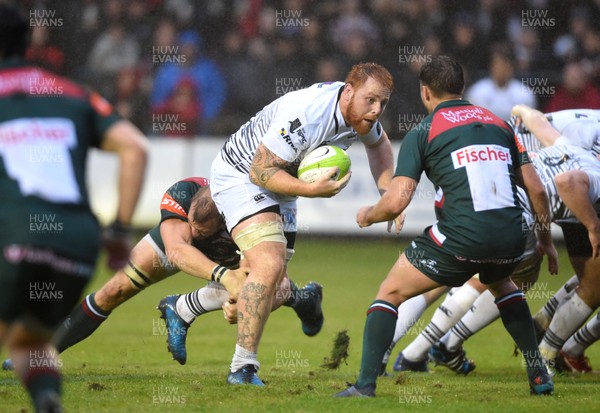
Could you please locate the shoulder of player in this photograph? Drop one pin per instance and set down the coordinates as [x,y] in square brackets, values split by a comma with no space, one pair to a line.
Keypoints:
[187,187]
[315,102]
[38,81]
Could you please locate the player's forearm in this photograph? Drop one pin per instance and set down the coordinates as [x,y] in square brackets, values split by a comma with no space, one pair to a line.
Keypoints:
[191,261]
[131,146]
[381,163]
[279,181]
[391,204]
[573,188]
[536,122]
[133,166]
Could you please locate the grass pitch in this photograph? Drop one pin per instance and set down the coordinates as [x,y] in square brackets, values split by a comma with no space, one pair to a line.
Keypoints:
[125,367]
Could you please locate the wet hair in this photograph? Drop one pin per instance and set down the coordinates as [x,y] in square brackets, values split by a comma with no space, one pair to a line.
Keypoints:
[14,30]
[204,206]
[359,74]
[443,75]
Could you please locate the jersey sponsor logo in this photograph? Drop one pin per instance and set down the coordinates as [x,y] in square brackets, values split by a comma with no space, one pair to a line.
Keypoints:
[296,127]
[294,124]
[447,118]
[169,204]
[34,130]
[480,153]
[287,139]
[463,115]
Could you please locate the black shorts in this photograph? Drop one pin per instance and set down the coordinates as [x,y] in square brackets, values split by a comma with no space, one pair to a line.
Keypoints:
[448,269]
[40,285]
[576,239]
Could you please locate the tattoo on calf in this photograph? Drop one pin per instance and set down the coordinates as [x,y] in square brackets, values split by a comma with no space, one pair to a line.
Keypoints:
[254,296]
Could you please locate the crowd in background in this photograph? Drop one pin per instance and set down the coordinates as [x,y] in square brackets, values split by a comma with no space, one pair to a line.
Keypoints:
[204,67]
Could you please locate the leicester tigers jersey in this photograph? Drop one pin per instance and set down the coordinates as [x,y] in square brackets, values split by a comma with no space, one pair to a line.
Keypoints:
[47,125]
[294,125]
[176,204]
[470,155]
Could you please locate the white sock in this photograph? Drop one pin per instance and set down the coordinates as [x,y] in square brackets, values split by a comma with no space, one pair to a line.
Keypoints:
[567,319]
[483,313]
[241,357]
[583,338]
[447,314]
[408,314]
[545,314]
[203,300]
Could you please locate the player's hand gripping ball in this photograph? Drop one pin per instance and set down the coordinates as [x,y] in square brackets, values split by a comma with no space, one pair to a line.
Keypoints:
[317,162]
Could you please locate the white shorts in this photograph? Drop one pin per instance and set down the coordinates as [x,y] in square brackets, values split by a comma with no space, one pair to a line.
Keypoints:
[237,198]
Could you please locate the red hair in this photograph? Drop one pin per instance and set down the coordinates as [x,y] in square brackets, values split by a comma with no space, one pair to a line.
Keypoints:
[359,74]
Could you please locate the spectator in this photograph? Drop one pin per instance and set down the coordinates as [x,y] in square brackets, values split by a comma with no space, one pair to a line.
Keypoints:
[464,43]
[130,102]
[201,73]
[43,53]
[576,91]
[180,114]
[113,51]
[499,92]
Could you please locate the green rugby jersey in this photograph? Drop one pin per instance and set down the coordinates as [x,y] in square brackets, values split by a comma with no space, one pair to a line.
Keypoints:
[47,124]
[470,155]
[175,204]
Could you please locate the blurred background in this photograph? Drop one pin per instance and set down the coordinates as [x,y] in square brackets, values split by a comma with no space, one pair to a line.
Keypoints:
[191,72]
[215,63]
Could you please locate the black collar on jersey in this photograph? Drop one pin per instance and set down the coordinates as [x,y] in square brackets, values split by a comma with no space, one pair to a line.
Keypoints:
[337,101]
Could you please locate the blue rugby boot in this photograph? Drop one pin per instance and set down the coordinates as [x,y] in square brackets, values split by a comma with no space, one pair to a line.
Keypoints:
[353,391]
[455,360]
[8,365]
[541,383]
[176,328]
[402,364]
[309,309]
[245,375]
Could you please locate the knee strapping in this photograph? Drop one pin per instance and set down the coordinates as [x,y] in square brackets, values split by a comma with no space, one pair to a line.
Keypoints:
[260,232]
[139,278]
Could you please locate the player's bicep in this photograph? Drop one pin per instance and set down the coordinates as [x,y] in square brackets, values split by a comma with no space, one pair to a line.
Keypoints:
[175,232]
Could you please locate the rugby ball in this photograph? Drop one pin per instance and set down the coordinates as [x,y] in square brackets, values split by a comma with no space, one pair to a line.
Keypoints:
[317,162]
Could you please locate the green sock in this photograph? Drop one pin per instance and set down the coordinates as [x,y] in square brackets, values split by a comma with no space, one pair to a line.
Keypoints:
[80,324]
[517,321]
[40,381]
[379,333]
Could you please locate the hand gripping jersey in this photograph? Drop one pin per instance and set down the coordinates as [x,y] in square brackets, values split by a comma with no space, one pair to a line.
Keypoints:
[470,156]
[176,204]
[294,125]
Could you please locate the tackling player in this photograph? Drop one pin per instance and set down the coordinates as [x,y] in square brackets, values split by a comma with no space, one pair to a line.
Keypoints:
[190,237]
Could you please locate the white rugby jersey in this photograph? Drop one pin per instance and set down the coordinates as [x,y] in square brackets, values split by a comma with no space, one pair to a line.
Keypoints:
[556,159]
[579,127]
[293,125]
